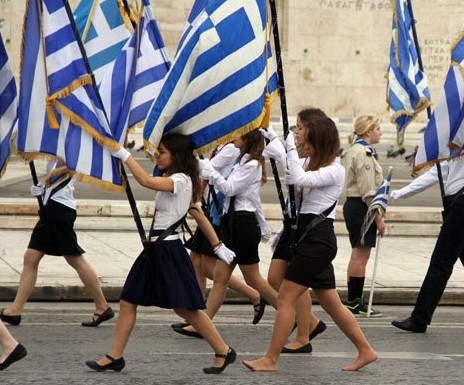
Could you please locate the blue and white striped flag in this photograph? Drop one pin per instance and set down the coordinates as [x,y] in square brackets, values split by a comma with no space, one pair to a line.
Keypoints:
[407,89]
[378,204]
[135,78]
[444,135]
[104,27]
[197,8]
[8,106]
[60,114]
[217,86]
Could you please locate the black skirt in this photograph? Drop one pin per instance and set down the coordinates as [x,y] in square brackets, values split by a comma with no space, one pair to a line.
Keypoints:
[282,249]
[54,233]
[200,244]
[164,277]
[354,211]
[311,265]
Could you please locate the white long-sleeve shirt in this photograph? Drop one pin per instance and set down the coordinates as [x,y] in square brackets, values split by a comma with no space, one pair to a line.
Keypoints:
[321,188]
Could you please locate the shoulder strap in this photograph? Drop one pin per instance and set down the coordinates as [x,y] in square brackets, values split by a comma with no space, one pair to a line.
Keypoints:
[314,222]
[166,233]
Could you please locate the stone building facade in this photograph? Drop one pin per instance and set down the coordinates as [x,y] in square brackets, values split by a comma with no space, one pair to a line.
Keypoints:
[335,53]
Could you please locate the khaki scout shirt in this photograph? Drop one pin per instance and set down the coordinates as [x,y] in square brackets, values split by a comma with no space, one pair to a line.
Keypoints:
[363,173]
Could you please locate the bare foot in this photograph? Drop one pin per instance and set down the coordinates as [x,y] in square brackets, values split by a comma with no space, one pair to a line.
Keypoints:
[361,361]
[261,365]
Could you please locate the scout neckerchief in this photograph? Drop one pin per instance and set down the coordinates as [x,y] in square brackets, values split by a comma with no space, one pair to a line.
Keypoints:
[364,143]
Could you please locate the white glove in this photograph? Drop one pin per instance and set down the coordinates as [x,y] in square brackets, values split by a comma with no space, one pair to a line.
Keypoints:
[269,133]
[38,190]
[275,149]
[206,169]
[290,142]
[266,237]
[294,173]
[395,195]
[122,154]
[224,253]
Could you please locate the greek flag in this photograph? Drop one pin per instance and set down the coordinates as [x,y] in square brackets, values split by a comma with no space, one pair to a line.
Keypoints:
[60,114]
[377,205]
[8,106]
[104,27]
[135,78]
[407,90]
[197,8]
[444,135]
[222,81]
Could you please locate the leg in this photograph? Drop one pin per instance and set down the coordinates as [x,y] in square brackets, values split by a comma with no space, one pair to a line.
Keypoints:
[203,324]
[449,247]
[89,278]
[287,298]
[122,330]
[254,279]
[26,282]
[357,271]
[222,273]
[197,261]
[7,342]
[331,303]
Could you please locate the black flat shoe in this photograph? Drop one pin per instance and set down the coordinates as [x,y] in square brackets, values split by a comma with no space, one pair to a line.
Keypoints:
[116,365]
[410,325]
[259,311]
[18,353]
[304,349]
[320,328]
[180,325]
[229,358]
[186,332]
[14,320]
[99,318]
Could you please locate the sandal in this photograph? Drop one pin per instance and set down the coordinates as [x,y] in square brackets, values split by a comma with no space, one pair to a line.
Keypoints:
[259,311]
[97,319]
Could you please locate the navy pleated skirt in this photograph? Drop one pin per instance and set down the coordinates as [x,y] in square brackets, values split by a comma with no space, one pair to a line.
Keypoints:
[163,276]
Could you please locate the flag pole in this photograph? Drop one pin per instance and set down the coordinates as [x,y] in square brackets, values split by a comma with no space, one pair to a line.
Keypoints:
[374,274]
[429,110]
[130,196]
[283,107]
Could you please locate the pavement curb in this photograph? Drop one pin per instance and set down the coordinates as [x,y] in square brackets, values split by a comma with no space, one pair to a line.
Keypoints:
[72,293]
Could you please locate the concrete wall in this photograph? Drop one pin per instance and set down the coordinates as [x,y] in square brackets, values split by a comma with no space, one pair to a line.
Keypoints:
[335,52]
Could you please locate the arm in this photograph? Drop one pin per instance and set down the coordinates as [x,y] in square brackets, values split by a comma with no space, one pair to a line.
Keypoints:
[158,183]
[204,224]
[297,175]
[420,184]
[239,181]
[225,157]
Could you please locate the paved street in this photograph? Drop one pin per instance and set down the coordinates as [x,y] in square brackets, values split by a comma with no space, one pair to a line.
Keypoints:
[58,347]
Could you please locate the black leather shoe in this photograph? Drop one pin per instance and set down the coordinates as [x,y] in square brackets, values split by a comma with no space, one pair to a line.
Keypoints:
[304,349]
[18,353]
[179,325]
[186,332]
[116,365]
[410,325]
[99,318]
[259,311]
[229,358]
[14,320]
[320,328]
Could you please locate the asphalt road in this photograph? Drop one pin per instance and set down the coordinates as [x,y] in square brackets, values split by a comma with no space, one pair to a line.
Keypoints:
[401,176]
[58,347]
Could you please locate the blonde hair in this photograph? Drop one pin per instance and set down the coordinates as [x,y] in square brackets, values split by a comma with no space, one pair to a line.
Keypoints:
[363,124]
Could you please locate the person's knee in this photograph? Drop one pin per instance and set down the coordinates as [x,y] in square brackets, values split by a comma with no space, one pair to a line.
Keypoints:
[32,258]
